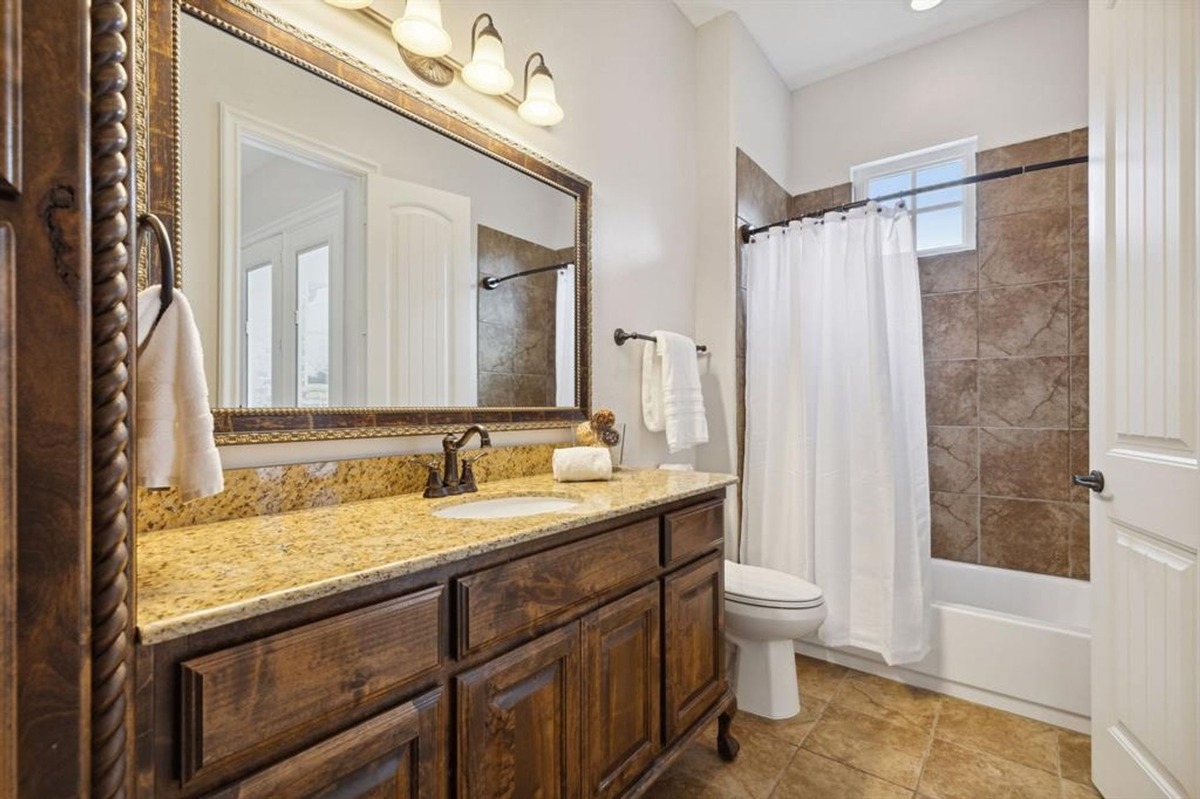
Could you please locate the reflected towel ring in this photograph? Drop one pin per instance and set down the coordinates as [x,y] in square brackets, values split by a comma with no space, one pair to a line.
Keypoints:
[149,223]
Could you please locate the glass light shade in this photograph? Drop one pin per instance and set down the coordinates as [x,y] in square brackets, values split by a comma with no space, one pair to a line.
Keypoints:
[486,71]
[924,5]
[354,5]
[420,29]
[540,106]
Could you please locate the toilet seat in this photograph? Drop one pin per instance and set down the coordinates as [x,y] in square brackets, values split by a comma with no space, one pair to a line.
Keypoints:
[767,588]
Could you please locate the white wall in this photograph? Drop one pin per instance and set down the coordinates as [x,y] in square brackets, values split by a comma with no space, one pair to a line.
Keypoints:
[625,73]
[1018,78]
[744,105]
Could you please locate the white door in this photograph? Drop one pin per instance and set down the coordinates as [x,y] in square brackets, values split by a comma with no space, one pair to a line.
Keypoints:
[1145,397]
[421,296]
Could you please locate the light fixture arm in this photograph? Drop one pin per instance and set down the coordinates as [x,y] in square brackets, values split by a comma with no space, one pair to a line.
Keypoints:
[540,68]
[489,30]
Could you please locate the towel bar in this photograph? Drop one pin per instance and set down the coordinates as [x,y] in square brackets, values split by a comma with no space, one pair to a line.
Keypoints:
[620,336]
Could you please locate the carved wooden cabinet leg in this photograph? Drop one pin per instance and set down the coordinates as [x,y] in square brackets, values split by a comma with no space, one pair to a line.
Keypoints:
[727,745]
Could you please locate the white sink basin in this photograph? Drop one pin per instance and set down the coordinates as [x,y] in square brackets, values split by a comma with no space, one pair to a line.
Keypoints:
[505,507]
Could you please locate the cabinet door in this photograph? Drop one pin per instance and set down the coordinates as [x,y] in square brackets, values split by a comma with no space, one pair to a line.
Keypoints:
[695,642]
[622,676]
[395,755]
[518,722]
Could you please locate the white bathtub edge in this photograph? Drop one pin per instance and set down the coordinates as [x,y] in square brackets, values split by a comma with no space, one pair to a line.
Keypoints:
[970,693]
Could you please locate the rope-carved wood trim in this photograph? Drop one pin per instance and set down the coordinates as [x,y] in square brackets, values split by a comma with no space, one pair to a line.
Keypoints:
[112,683]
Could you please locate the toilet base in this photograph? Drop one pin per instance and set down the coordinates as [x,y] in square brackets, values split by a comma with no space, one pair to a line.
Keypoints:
[764,678]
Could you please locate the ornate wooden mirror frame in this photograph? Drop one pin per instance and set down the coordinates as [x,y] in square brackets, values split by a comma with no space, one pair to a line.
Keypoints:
[157,123]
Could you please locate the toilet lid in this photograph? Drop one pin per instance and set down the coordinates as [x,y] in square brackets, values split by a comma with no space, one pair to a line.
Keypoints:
[754,585]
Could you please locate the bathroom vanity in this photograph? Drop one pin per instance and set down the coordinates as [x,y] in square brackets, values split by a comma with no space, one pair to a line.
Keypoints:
[375,649]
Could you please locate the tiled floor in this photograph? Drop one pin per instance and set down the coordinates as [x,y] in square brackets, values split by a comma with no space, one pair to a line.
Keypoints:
[862,737]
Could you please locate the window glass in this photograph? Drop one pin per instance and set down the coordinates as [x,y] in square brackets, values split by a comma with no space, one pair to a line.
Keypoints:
[312,327]
[259,341]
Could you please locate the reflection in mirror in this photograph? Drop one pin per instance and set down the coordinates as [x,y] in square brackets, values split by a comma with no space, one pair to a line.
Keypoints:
[335,249]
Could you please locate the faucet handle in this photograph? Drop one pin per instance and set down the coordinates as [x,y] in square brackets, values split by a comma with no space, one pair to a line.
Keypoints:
[480,455]
[467,483]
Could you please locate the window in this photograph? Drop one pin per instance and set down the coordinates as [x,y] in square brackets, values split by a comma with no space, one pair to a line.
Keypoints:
[944,219]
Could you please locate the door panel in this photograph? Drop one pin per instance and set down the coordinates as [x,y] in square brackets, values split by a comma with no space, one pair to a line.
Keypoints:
[622,682]
[695,642]
[518,722]
[1144,398]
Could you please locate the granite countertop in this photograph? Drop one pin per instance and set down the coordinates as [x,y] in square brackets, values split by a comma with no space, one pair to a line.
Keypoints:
[194,578]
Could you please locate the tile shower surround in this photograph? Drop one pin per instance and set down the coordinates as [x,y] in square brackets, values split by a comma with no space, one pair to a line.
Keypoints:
[517,322]
[1006,361]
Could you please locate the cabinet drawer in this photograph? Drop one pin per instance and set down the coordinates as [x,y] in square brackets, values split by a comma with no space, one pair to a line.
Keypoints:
[244,701]
[395,755]
[693,530]
[502,601]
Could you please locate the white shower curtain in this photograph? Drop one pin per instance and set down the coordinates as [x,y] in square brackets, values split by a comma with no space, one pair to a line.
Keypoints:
[836,468]
[564,338]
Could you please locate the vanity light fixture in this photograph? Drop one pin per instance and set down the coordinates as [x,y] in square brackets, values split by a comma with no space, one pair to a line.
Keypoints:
[540,106]
[486,71]
[425,49]
[924,5]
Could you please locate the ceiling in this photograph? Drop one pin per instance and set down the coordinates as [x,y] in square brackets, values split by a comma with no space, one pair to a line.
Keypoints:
[809,40]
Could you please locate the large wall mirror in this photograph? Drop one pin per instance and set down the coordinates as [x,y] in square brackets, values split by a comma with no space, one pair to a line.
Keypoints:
[359,261]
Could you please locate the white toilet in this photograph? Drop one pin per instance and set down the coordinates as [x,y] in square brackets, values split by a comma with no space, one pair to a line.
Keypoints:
[765,611]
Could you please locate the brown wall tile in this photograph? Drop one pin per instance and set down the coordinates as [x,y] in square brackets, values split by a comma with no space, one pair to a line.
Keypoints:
[1024,392]
[1079,392]
[1079,242]
[956,271]
[951,329]
[1079,317]
[954,527]
[1024,321]
[1032,247]
[954,459]
[760,199]
[1024,535]
[1033,151]
[951,395]
[1031,464]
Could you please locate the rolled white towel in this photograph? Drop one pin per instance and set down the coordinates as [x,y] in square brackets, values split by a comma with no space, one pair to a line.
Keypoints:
[578,464]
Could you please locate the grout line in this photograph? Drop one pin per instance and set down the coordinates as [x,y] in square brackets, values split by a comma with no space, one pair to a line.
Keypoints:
[929,746]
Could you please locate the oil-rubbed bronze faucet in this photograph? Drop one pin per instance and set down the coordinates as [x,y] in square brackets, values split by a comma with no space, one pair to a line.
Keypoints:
[451,481]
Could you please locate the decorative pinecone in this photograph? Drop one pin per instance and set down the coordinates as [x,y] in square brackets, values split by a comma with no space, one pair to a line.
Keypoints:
[603,419]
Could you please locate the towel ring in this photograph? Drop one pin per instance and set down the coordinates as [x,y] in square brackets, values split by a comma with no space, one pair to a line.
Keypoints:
[150,224]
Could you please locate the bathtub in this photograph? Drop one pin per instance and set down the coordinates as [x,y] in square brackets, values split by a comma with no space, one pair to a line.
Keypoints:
[1016,641]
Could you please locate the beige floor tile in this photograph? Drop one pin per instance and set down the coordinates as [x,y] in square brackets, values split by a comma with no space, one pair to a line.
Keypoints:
[1017,738]
[954,772]
[1073,790]
[888,700]
[701,773]
[793,730]
[1075,754]
[811,776]
[890,751]
[818,679]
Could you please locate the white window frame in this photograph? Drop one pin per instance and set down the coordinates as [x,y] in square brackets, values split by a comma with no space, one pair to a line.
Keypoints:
[962,151]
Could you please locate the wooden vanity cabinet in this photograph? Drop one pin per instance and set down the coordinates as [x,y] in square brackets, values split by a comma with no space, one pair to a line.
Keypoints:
[574,667]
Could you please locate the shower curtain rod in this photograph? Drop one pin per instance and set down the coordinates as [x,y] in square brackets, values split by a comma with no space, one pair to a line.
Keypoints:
[748,232]
[490,282]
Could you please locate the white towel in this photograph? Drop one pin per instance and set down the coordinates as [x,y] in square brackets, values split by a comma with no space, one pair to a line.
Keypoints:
[671,398]
[175,445]
[577,464]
